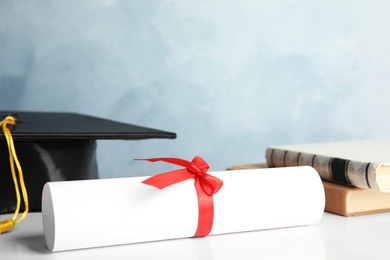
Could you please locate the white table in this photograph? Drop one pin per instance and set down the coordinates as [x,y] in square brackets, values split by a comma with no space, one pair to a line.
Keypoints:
[334,237]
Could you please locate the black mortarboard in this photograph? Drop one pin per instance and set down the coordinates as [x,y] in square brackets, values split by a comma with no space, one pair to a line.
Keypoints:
[58,147]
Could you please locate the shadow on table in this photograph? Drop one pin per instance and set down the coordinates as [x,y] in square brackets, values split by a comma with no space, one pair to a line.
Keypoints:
[34,243]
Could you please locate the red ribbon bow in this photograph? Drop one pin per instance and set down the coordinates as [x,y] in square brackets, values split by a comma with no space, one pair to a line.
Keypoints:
[206,185]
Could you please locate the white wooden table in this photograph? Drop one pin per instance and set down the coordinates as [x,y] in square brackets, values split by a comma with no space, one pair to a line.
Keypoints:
[334,237]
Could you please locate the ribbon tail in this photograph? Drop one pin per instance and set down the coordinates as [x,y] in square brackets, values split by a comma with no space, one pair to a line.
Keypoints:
[176,161]
[206,211]
[162,180]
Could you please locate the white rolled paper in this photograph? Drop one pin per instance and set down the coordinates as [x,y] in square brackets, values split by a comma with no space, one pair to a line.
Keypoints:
[105,212]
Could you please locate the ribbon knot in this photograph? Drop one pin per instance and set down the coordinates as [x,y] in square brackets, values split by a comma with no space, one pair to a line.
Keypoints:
[193,169]
[206,186]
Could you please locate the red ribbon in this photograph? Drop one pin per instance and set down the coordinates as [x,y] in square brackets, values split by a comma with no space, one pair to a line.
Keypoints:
[206,185]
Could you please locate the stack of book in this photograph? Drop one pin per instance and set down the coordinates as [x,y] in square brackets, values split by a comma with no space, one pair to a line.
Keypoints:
[355,174]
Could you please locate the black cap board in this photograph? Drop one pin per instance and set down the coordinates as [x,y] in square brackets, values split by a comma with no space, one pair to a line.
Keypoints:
[58,147]
[35,126]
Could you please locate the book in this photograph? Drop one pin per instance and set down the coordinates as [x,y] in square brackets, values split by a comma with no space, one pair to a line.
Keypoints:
[352,201]
[342,199]
[359,163]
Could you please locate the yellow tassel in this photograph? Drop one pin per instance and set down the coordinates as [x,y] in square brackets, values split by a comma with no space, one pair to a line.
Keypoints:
[6,225]
[14,161]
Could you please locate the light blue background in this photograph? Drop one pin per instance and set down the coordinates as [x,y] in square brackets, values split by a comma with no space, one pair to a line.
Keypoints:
[229,77]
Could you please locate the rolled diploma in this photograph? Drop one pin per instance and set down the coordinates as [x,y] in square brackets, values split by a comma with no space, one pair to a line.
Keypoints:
[105,212]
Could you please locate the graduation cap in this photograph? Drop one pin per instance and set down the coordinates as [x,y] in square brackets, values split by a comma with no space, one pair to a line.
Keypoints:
[58,147]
